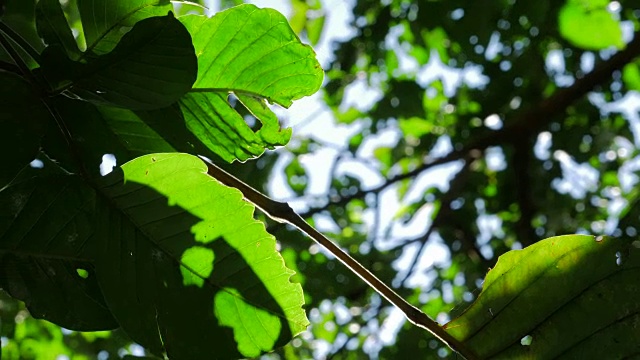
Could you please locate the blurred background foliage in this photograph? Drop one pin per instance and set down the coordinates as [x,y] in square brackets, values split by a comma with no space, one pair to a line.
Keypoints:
[447,133]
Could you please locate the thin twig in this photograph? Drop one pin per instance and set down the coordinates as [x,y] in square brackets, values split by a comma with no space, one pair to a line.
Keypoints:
[282,212]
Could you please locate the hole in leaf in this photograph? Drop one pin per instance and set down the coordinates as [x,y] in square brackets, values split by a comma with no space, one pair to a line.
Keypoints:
[526,341]
[36,164]
[82,273]
[250,118]
[108,163]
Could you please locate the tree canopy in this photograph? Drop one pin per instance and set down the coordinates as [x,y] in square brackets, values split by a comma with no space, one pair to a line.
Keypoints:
[479,158]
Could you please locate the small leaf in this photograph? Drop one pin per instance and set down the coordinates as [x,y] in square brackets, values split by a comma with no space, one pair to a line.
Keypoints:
[631,76]
[314,29]
[588,24]
[563,297]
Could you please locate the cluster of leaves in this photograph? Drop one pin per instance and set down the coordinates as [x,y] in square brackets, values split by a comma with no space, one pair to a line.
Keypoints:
[137,249]
[176,260]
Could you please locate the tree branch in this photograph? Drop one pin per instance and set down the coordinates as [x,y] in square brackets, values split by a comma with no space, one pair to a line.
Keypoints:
[443,213]
[282,212]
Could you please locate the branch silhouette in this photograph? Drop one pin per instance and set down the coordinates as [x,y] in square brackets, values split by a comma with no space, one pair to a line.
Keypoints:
[282,212]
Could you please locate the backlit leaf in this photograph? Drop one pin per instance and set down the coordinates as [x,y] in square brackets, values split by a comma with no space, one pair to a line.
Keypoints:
[589,25]
[254,54]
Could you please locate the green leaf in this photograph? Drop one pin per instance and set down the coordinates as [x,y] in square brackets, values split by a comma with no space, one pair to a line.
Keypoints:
[210,117]
[22,122]
[45,231]
[151,67]
[314,29]
[53,27]
[588,24]
[253,51]
[298,17]
[415,127]
[105,21]
[569,296]
[254,54]
[174,239]
[631,76]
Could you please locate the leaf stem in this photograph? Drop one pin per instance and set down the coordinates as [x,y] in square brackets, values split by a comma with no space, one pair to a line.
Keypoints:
[282,212]
[20,41]
[17,59]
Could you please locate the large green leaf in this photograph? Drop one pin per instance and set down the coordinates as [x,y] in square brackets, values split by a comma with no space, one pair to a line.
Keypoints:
[152,66]
[254,54]
[186,269]
[573,296]
[45,248]
[589,25]
[22,122]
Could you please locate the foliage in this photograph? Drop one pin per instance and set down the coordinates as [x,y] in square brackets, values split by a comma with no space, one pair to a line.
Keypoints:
[135,248]
[492,125]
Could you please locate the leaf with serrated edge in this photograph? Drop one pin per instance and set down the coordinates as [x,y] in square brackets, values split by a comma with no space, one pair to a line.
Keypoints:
[254,54]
